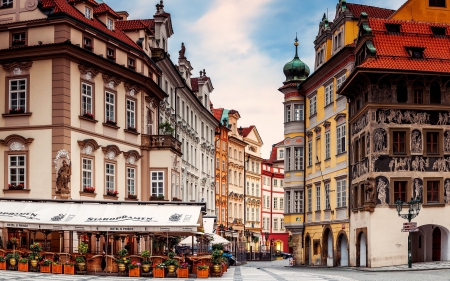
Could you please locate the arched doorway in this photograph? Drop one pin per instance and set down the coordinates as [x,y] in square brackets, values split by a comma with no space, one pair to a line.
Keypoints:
[307,250]
[327,248]
[436,244]
[361,250]
[342,250]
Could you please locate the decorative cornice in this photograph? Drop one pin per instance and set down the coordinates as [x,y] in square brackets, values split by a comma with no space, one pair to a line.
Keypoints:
[132,153]
[339,115]
[131,87]
[317,129]
[326,124]
[91,142]
[111,147]
[108,78]
[87,69]
[11,138]
[22,65]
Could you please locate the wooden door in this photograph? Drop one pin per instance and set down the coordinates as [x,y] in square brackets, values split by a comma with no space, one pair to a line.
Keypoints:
[436,245]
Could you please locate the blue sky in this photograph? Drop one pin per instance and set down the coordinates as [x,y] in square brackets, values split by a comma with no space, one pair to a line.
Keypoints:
[243,46]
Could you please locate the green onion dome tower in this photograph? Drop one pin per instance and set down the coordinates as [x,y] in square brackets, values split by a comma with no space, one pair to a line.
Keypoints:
[295,71]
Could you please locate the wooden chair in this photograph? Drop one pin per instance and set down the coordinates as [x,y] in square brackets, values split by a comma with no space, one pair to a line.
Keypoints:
[179,259]
[48,256]
[111,264]
[94,263]
[134,258]
[3,253]
[157,259]
[63,257]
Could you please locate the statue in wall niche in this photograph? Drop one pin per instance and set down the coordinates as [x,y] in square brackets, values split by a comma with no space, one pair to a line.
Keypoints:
[63,179]
[381,188]
[379,140]
[418,188]
[447,141]
[416,141]
[447,191]
[369,186]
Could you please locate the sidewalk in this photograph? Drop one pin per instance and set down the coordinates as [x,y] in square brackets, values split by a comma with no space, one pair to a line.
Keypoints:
[415,267]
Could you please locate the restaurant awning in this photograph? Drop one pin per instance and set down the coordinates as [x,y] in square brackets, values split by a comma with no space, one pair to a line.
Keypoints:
[104,216]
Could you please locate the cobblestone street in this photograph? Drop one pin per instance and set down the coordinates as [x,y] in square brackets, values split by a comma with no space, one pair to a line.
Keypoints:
[277,271]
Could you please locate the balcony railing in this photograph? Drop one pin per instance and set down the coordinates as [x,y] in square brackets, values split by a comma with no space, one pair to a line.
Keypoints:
[161,142]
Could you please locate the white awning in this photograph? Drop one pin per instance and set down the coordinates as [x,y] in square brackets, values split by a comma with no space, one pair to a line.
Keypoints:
[108,216]
[217,239]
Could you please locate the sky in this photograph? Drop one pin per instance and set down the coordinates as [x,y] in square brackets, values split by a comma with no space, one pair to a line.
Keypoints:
[243,46]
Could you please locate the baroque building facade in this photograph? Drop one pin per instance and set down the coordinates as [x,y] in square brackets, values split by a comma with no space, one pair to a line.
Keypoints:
[399,132]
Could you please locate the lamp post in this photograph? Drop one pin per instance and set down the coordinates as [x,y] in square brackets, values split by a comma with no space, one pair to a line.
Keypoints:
[414,206]
[266,236]
[221,229]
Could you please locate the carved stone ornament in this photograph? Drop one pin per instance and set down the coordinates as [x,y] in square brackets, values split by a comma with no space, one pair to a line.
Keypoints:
[111,81]
[132,156]
[132,92]
[31,5]
[111,155]
[88,76]
[131,160]
[63,173]
[16,146]
[111,84]
[61,154]
[87,150]
[89,72]
[17,71]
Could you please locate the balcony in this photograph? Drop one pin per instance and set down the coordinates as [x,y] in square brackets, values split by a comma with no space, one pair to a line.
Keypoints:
[156,142]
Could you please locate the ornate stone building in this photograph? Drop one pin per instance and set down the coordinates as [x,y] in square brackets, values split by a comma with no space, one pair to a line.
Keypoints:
[399,134]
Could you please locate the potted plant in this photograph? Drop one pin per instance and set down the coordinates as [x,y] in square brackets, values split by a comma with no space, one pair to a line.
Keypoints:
[112,193]
[46,266]
[19,186]
[122,260]
[132,196]
[134,269]
[34,256]
[202,271]
[183,270]
[16,110]
[89,189]
[23,264]
[2,263]
[146,264]
[216,261]
[12,258]
[89,115]
[111,122]
[57,268]
[166,128]
[69,268]
[160,197]
[160,270]
[81,260]
[171,263]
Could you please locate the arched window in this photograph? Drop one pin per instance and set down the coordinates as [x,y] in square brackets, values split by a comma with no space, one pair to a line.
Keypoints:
[435,93]
[418,93]
[402,92]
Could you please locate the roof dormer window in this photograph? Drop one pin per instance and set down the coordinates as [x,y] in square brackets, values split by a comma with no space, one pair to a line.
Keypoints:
[416,53]
[88,12]
[110,24]
[394,28]
[438,30]
[436,3]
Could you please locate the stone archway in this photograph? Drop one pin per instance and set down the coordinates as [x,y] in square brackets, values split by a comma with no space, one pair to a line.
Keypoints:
[361,249]
[430,243]
[436,244]
[307,250]
[327,247]
[342,249]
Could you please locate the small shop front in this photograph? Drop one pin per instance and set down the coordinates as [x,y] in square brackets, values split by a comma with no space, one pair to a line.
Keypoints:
[97,237]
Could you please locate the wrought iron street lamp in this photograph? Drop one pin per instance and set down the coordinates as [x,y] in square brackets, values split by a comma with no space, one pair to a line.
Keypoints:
[414,206]
[266,236]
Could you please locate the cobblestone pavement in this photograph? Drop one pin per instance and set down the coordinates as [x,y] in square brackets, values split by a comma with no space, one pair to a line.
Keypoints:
[275,271]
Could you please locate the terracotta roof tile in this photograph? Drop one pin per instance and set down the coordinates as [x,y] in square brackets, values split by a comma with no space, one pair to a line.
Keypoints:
[194,84]
[136,25]
[373,12]
[391,48]
[217,112]
[92,2]
[247,130]
[103,8]
[290,85]
[61,6]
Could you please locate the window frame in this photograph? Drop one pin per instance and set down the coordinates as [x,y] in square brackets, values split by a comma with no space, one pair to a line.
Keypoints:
[163,181]
[327,195]
[7,4]
[407,132]
[300,110]
[310,153]
[297,202]
[9,155]
[134,112]
[329,93]
[341,193]
[108,25]
[313,106]
[339,136]
[327,145]
[8,99]
[127,178]
[92,171]
[92,86]
[392,182]
[318,198]
[113,175]
[309,199]
[113,57]
[440,190]
[288,113]
[105,106]
[440,142]
[299,159]
[88,12]
[22,42]
[435,3]
[131,63]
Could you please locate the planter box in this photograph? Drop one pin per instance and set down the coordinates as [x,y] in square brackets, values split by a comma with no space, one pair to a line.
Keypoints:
[57,268]
[23,267]
[202,273]
[134,272]
[3,265]
[159,272]
[69,269]
[183,272]
[46,268]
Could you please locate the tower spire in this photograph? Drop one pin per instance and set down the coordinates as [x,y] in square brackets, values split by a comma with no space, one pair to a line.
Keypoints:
[296,45]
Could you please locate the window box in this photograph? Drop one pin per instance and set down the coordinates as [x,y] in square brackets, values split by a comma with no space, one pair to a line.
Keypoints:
[45,268]
[133,129]
[157,198]
[87,189]
[16,111]
[3,265]
[111,122]
[112,193]
[69,269]
[88,115]
[111,58]
[88,47]
[176,199]
[132,196]
[18,42]
[57,268]
[19,186]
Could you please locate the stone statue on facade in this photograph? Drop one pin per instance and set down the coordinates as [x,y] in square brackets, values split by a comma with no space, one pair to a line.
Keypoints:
[182,52]
[370,189]
[63,179]
[381,188]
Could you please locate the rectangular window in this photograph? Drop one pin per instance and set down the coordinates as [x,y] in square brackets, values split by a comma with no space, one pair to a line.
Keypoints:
[400,190]
[282,224]
[327,196]
[318,198]
[268,201]
[298,202]
[418,96]
[310,153]
[298,112]
[288,159]
[433,191]
[6,4]
[288,113]
[275,182]
[157,183]
[298,158]
[111,54]
[275,203]
[257,189]
[312,106]
[340,133]
[19,39]
[16,169]
[437,3]
[432,146]
[87,12]
[328,94]
[131,181]
[110,112]
[131,115]
[339,83]
[327,145]
[309,199]
[281,203]
[399,142]
[341,187]
[87,172]
[275,224]
[86,100]
[131,63]
[287,195]
[110,176]
[109,24]
[17,95]
[87,43]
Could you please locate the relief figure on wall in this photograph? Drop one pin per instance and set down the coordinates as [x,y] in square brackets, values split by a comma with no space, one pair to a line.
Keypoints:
[379,140]
[447,191]
[370,190]
[418,188]
[381,188]
[416,141]
[63,179]
[447,141]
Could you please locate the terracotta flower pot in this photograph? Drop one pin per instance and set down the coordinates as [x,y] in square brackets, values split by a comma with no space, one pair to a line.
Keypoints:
[3,265]
[202,273]
[33,263]
[81,266]
[183,272]
[171,268]
[134,272]
[12,261]
[46,268]
[121,267]
[146,268]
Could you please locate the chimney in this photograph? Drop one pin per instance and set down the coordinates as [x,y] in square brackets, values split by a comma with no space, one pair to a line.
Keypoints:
[123,14]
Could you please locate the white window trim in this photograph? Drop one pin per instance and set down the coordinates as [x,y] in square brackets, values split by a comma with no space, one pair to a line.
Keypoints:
[110,177]
[131,181]
[131,114]
[158,192]
[86,174]
[18,92]
[17,168]
[110,107]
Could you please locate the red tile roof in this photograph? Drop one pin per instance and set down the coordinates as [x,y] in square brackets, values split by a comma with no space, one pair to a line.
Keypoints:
[135,25]
[62,7]
[194,84]
[103,8]
[391,52]
[246,131]
[92,2]
[373,12]
[217,112]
